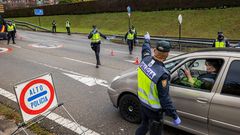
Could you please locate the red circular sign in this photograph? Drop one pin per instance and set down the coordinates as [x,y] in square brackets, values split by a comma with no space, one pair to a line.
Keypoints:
[26,88]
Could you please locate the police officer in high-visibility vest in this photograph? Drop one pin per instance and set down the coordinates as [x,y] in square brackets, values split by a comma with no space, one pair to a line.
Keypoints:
[153,88]
[129,37]
[220,42]
[95,37]
[15,30]
[11,32]
[68,26]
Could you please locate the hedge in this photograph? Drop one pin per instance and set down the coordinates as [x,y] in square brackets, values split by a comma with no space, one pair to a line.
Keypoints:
[100,6]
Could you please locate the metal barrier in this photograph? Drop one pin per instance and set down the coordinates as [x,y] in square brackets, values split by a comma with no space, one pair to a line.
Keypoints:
[179,44]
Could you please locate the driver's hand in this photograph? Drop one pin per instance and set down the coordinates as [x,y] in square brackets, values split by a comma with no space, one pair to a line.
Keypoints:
[187,72]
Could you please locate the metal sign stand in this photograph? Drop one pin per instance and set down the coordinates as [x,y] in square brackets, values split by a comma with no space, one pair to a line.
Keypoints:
[23,126]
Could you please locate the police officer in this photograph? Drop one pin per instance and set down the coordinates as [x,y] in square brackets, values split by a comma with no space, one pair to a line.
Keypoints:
[68,25]
[220,42]
[95,37]
[135,35]
[15,30]
[129,37]
[153,88]
[11,32]
[54,26]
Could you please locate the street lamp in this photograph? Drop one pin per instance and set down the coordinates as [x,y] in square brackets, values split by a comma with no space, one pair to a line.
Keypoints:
[180,29]
[129,15]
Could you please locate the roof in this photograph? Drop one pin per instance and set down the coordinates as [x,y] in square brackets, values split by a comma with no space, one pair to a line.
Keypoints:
[220,50]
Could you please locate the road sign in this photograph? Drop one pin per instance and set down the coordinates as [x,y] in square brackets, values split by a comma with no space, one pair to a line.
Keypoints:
[129,11]
[38,12]
[180,19]
[36,97]
[1,8]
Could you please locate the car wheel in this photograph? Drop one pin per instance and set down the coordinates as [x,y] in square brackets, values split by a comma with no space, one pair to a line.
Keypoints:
[129,107]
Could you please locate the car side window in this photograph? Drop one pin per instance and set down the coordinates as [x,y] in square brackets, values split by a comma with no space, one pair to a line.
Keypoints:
[197,74]
[231,84]
[172,64]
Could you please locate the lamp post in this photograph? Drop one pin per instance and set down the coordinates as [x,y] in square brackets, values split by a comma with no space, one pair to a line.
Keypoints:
[129,15]
[179,30]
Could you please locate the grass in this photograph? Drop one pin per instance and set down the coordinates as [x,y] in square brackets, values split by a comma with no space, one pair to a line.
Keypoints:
[196,23]
[12,114]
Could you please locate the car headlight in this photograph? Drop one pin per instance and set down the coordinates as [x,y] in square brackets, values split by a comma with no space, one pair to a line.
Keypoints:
[115,78]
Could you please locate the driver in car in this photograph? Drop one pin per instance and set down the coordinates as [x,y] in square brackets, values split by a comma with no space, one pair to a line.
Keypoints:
[204,81]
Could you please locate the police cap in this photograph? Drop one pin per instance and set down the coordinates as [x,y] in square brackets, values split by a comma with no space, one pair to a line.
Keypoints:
[163,46]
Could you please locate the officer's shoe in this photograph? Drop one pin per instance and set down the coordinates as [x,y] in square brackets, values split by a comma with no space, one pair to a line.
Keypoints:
[97,66]
[14,43]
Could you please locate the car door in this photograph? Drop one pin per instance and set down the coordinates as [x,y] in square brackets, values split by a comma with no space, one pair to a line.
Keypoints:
[224,112]
[192,103]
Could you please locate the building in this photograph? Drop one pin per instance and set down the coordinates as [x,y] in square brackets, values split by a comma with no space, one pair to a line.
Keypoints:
[14,4]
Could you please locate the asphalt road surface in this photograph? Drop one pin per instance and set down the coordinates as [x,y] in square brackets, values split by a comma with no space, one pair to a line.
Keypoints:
[72,64]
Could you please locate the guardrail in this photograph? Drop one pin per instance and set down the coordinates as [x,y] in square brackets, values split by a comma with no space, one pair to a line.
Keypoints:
[176,42]
[31,26]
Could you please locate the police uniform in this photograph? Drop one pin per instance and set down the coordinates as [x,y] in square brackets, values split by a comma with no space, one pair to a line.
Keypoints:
[95,37]
[11,32]
[54,26]
[130,40]
[153,90]
[68,25]
[220,42]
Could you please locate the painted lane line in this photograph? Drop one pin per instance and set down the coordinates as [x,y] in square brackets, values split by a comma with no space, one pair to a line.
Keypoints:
[76,76]
[75,127]
[129,61]
[2,50]
[84,62]
[16,46]
[89,81]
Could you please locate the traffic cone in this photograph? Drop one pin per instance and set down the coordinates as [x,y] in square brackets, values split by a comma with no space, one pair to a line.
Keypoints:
[136,62]
[112,53]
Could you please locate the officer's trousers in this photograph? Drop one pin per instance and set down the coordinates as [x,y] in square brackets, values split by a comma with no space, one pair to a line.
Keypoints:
[130,45]
[96,48]
[54,29]
[11,34]
[68,30]
[151,120]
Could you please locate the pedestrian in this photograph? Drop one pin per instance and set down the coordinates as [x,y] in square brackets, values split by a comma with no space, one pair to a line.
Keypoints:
[11,32]
[153,88]
[15,30]
[221,42]
[135,35]
[95,37]
[54,26]
[129,37]
[68,27]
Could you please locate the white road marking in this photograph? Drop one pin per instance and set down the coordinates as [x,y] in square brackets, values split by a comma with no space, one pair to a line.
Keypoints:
[75,75]
[3,50]
[16,46]
[89,81]
[129,61]
[75,127]
[79,61]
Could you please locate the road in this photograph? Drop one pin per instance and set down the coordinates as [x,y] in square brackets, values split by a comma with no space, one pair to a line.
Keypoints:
[71,62]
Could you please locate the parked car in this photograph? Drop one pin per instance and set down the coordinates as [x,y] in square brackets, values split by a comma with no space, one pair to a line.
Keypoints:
[3,29]
[210,110]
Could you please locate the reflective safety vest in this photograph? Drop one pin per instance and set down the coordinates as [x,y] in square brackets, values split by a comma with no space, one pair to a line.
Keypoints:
[220,44]
[149,73]
[67,24]
[130,36]
[96,38]
[10,28]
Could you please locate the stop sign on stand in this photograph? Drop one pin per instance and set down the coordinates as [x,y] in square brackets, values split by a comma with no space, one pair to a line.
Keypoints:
[36,97]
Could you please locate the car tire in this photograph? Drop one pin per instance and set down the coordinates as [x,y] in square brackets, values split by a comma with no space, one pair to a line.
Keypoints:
[129,107]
